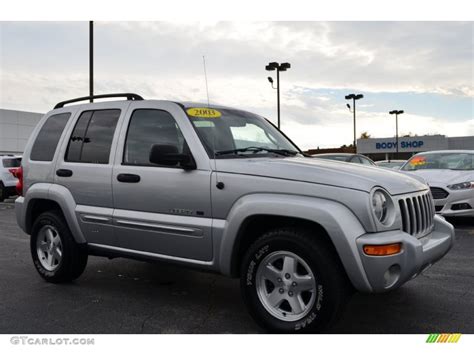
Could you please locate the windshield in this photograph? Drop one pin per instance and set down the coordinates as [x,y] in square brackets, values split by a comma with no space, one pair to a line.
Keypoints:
[390,164]
[229,133]
[333,157]
[452,161]
[12,163]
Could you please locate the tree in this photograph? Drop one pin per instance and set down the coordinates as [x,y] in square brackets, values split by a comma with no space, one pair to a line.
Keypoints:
[365,135]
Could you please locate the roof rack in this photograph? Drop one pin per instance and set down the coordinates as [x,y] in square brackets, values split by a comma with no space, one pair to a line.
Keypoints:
[129,96]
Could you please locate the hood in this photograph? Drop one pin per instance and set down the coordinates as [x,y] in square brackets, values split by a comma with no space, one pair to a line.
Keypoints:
[443,176]
[321,171]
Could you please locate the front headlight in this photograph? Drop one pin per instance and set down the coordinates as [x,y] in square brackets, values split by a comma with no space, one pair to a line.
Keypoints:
[462,186]
[383,207]
[379,205]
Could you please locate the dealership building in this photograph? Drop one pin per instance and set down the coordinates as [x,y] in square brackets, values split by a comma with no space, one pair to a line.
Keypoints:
[385,148]
[15,129]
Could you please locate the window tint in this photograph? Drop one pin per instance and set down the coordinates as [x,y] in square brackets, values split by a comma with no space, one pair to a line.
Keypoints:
[92,137]
[48,137]
[149,127]
[12,163]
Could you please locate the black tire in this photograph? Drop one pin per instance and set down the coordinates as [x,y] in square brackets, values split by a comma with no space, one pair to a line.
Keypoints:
[332,287]
[74,256]
[3,192]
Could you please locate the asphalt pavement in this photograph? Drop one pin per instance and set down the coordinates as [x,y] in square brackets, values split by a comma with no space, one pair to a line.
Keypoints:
[126,296]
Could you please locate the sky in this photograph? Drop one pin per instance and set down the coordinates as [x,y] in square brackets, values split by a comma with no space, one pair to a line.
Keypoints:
[423,68]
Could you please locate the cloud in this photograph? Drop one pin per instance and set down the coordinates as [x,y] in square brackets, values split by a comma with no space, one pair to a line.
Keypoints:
[425,68]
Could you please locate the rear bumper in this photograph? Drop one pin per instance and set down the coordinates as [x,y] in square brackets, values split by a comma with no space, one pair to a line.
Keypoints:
[20,212]
[385,273]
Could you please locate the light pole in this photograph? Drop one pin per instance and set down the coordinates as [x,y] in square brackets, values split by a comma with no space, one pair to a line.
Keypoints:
[354,97]
[396,113]
[91,60]
[278,67]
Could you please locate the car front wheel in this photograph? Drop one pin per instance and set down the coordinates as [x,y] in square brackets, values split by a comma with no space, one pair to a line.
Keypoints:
[292,282]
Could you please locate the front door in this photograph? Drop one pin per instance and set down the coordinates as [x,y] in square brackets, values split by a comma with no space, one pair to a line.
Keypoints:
[162,210]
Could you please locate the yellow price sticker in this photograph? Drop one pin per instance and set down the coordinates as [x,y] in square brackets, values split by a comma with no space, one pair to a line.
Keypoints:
[203,112]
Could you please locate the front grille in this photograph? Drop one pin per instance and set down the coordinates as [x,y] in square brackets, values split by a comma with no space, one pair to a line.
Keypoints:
[417,212]
[439,193]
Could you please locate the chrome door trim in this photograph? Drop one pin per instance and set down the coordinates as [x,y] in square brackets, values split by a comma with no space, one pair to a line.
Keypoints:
[191,232]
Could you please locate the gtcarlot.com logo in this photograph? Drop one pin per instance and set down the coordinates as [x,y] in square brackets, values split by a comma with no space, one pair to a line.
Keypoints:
[443,338]
[29,340]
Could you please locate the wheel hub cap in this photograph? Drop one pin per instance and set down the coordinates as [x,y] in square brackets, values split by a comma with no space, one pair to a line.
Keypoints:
[49,248]
[286,286]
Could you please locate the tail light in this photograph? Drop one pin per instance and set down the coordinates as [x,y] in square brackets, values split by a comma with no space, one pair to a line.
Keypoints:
[18,173]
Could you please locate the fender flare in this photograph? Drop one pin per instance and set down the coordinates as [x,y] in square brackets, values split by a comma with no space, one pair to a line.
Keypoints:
[341,225]
[63,197]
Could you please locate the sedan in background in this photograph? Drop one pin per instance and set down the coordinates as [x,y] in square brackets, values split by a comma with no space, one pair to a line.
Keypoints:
[450,174]
[390,164]
[346,157]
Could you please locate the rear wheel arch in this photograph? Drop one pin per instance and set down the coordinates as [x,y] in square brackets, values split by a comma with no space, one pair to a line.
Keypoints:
[36,207]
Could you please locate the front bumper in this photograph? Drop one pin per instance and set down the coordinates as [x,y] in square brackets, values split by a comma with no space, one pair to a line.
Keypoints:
[448,206]
[385,273]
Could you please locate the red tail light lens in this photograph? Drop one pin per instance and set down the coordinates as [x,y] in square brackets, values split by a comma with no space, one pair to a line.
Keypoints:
[19,175]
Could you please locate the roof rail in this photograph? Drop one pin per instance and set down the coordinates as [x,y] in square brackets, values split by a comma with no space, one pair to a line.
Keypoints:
[129,96]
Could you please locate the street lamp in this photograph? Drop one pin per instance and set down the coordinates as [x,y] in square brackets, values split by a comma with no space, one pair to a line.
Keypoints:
[91,60]
[396,113]
[278,67]
[354,97]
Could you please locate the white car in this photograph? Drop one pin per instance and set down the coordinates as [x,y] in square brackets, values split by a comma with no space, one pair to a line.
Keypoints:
[8,164]
[450,174]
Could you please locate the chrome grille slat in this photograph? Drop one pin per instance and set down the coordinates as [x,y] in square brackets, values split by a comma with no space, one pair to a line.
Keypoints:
[417,213]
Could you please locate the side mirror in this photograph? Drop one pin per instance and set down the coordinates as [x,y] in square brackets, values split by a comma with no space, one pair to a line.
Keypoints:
[168,155]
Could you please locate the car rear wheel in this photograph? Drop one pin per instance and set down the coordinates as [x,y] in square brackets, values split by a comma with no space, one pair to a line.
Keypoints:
[292,282]
[56,255]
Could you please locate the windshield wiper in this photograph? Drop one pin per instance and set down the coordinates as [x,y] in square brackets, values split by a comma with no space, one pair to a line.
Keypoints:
[285,152]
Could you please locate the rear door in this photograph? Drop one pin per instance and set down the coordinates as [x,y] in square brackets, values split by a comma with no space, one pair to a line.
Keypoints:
[85,167]
[161,210]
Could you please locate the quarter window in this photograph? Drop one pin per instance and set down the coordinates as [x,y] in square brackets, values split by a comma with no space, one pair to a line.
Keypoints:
[92,137]
[148,127]
[47,140]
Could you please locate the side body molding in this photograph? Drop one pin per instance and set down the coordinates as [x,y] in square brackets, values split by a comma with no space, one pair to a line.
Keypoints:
[340,223]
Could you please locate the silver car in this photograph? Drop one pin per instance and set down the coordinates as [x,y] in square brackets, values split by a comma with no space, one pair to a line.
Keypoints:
[450,175]
[222,190]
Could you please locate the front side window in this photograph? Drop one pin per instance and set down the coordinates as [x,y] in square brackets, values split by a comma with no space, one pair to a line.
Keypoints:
[47,140]
[148,127]
[230,133]
[365,161]
[92,137]
[451,161]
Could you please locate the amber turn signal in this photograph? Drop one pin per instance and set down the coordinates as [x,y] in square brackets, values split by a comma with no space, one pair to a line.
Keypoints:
[382,250]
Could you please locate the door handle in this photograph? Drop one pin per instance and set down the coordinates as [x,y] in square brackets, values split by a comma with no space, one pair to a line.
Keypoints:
[130,178]
[64,172]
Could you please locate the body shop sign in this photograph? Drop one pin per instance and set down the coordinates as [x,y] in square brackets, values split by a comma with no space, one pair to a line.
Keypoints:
[403,144]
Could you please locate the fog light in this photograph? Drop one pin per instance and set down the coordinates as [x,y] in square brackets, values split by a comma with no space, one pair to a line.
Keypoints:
[383,250]
[392,275]
[461,206]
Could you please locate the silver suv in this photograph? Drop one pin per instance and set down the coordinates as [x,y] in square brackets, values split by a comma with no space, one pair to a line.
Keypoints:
[222,190]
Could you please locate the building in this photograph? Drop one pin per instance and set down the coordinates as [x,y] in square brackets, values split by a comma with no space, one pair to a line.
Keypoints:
[15,129]
[385,148]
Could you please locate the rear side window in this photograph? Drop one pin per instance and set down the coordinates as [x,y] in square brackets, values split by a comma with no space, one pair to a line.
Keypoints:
[92,137]
[48,137]
[12,163]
